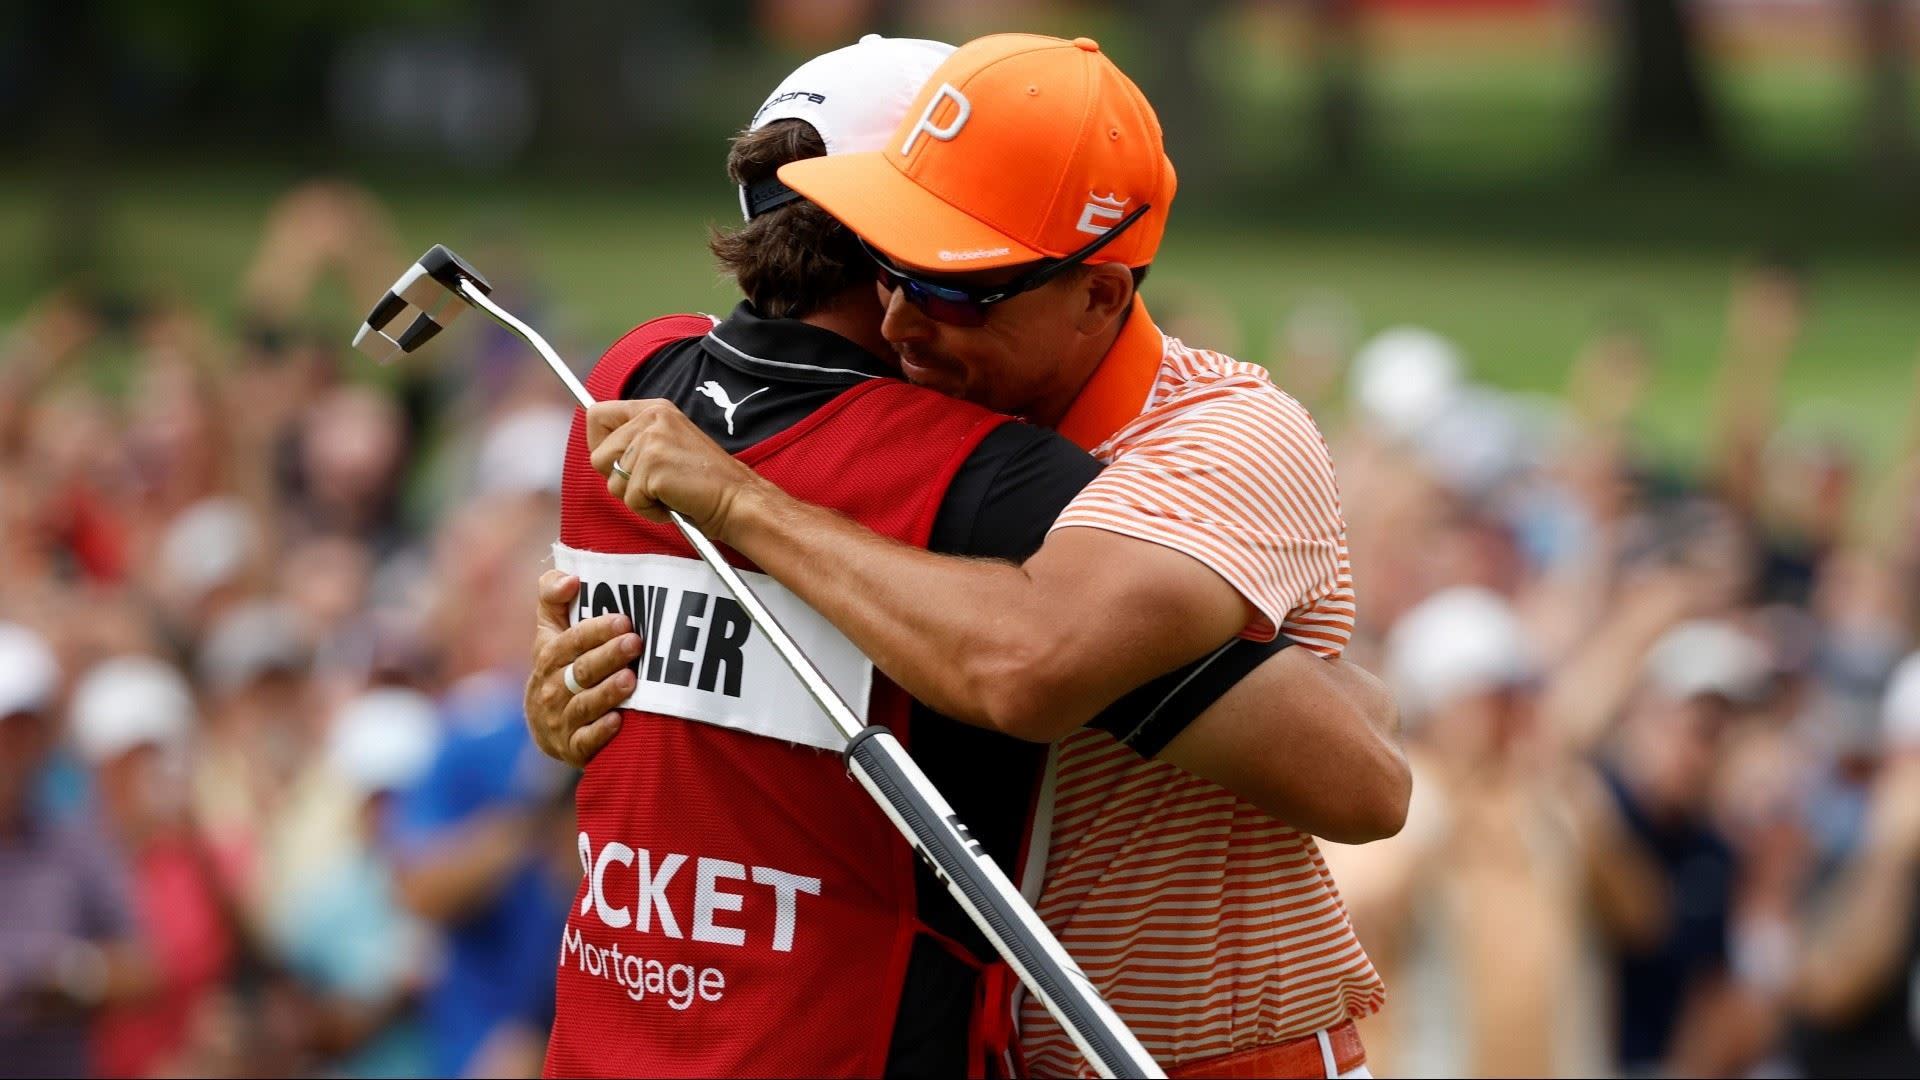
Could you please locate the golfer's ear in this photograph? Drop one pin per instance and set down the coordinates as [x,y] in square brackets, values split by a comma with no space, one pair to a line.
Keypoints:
[1107,289]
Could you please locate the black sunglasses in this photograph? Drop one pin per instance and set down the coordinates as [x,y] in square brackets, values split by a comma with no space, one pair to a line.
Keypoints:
[957,306]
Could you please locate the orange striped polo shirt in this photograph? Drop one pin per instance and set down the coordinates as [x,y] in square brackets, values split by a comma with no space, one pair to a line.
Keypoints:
[1208,925]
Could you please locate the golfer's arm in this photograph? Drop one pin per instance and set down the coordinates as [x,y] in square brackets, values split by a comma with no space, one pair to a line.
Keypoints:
[1034,650]
[1037,650]
[1314,742]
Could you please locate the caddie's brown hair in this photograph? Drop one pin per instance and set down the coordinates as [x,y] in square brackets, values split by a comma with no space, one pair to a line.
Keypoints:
[792,259]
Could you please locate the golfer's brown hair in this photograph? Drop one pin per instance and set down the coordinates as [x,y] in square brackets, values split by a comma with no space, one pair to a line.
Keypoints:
[790,260]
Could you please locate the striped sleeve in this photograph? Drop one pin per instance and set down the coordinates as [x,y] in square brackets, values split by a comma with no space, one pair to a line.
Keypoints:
[1233,472]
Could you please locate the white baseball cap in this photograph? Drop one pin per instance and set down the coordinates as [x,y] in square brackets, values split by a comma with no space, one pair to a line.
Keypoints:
[255,639]
[130,701]
[1404,378]
[1458,642]
[384,739]
[209,544]
[1709,657]
[29,674]
[854,97]
[1485,438]
[523,451]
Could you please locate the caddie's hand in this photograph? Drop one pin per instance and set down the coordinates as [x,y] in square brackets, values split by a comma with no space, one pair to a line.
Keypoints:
[569,726]
[666,462]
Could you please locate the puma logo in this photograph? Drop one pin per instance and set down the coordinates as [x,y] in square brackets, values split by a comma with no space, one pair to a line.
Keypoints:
[721,398]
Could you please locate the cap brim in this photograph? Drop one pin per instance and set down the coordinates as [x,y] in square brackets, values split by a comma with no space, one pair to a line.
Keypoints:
[903,220]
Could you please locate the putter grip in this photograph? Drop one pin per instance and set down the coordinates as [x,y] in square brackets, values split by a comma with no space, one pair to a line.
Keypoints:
[958,859]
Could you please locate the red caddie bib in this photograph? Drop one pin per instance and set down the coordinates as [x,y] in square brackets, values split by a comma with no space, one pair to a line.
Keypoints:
[745,909]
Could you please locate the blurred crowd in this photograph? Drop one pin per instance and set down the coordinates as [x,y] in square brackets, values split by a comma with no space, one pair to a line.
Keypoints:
[1664,722]
[267,805]
[267,802]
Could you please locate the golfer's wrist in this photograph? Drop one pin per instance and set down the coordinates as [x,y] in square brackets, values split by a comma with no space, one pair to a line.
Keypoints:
[751,509]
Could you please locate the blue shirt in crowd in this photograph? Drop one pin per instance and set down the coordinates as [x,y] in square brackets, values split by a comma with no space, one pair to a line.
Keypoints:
[500,959]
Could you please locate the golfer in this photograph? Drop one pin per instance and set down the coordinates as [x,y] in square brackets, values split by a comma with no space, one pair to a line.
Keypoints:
[1013,214]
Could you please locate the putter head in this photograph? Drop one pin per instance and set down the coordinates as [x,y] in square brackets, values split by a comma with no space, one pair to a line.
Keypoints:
[431,286]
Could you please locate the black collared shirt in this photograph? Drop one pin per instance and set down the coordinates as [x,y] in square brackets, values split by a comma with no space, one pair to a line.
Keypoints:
[773,373]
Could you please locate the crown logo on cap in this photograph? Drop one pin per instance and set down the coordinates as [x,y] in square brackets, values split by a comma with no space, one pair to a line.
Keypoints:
[1100,212]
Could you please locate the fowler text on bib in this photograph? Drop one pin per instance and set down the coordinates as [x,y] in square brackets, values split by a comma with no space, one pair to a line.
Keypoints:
[701,657]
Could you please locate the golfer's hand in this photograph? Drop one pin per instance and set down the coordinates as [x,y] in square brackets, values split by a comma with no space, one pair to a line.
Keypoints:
[671,464]
[568,726]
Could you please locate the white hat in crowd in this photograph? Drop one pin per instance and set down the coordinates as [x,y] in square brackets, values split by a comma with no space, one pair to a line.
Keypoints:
[525,451]
[1486,438]
[252,640]
[1900,714]
[127,702]
[1709,657]
[29,674]
[1458,642]
[383,740]
[209,544]
[1405,378]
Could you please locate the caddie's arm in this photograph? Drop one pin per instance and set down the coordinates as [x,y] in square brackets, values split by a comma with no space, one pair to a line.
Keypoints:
[1034,650]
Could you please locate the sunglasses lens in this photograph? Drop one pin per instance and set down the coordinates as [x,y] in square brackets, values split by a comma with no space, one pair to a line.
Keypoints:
[934,306]
[942,309]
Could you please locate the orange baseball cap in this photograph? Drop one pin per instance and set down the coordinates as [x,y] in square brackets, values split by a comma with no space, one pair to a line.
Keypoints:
[1019,148]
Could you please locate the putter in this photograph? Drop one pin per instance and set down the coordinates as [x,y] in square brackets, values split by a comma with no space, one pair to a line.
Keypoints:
[436,287]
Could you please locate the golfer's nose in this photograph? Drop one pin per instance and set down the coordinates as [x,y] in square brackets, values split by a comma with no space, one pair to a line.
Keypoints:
[903,323]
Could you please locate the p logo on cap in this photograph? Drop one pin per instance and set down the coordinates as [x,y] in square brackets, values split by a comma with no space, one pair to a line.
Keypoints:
[944,132]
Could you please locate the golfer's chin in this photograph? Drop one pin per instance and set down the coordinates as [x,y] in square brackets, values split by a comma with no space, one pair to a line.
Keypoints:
[941,378]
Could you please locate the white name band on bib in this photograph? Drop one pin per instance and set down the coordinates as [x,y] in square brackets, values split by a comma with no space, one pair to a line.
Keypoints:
[700,656]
